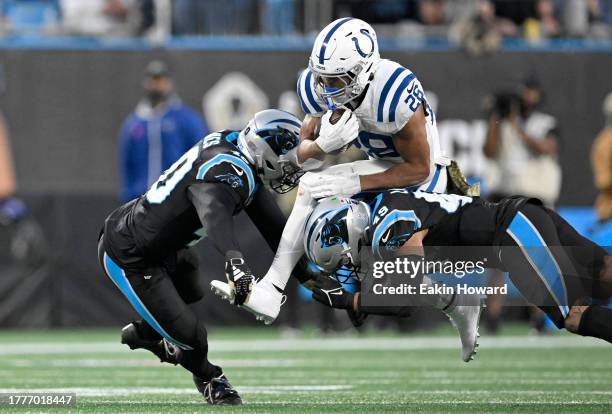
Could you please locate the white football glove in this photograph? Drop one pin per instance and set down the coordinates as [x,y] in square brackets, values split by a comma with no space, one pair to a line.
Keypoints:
[325,185]
[336,136]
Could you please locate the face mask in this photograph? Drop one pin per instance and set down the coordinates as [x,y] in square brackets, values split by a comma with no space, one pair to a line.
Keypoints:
[155,97]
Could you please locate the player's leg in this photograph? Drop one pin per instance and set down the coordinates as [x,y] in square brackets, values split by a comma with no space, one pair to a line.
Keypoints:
[265,298]
[153,295]
[594,258]
[183,270]
[545,274]
[463,310]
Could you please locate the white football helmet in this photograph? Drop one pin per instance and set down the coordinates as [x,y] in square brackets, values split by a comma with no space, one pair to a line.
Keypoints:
[343,60]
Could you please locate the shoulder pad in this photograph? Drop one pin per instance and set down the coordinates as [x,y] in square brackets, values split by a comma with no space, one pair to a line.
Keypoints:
[399,94]
[392,223]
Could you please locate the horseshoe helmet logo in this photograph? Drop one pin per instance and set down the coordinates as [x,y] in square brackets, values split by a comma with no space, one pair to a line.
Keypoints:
[356,42]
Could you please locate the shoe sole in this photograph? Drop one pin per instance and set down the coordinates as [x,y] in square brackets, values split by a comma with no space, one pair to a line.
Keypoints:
[476,344]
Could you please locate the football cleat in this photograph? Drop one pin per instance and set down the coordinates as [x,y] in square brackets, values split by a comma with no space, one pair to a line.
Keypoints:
[217,391]
[465,316]
[264,301]
[164,350]
[239,276]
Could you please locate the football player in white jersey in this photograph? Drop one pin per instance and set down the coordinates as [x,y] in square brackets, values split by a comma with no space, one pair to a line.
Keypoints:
[386,115]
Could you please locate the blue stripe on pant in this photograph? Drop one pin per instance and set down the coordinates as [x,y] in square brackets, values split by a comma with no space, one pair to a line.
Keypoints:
[524,233]
[117,275]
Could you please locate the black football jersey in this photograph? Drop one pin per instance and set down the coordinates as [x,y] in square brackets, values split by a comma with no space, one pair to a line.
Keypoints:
[164,219]
[451,220]
[397,214]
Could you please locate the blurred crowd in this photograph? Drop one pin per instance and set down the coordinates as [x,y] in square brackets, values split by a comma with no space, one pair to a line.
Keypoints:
[478,24]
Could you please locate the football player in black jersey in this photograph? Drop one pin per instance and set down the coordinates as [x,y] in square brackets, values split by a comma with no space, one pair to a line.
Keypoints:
[144,244]
[551,264]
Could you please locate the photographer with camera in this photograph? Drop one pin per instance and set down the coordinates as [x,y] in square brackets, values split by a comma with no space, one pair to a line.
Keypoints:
[521,145]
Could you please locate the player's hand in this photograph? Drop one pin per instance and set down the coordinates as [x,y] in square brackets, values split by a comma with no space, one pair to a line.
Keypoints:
[335,136]
[326,185]
[328,291]
[239,276]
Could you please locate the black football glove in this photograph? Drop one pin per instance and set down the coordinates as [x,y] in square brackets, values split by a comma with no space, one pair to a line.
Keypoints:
[328,291]
[239,276]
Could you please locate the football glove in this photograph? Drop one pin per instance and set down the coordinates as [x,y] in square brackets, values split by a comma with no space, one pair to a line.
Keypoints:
[325,185]
[335,136]
[328,291]
[239,276]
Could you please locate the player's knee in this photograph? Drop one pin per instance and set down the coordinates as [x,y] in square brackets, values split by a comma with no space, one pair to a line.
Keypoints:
[187,330]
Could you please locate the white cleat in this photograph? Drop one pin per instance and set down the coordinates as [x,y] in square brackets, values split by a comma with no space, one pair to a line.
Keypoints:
[222,289]
[465,316]
[264,301]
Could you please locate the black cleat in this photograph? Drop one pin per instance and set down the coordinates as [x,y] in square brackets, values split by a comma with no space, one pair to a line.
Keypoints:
[164,350]
[217,391]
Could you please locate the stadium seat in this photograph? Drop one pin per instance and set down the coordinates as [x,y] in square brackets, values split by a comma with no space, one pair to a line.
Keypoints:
[27,16]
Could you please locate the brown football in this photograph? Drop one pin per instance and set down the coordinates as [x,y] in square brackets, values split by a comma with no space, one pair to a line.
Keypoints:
[336,115]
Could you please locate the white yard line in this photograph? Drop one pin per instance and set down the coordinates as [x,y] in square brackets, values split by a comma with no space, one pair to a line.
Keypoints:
[326,344]
[124,392]
[122,362]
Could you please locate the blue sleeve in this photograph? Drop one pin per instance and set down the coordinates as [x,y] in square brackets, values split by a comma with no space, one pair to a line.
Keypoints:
[126,166]
[194,127]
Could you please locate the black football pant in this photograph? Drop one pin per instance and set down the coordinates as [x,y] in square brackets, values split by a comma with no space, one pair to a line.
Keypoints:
[552,265]
[160,294]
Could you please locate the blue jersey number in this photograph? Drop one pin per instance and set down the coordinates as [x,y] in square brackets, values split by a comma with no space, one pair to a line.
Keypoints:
[415,98]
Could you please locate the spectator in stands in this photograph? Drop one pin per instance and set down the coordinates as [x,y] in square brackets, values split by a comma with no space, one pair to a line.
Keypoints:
[277,17]
[481,32]
[30,16]
[156,134]
[575,18]
[103,17]
[548,24]
[521,143]
[215,17]
[601,159]
[432,12]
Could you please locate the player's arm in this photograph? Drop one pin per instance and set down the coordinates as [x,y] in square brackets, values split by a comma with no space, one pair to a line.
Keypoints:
[308,132]
[7,173]
[546,146]
[328,290]
[267,217]
[215,204]
[491,145]
[411,143]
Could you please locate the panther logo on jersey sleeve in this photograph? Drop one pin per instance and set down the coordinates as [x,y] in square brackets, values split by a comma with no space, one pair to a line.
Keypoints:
[231,169]
[391,225]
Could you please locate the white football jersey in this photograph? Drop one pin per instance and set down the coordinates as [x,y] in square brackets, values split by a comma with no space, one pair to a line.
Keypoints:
[393,96]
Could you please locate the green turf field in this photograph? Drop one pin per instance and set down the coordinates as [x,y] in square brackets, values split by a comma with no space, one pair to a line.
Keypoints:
[371,374]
